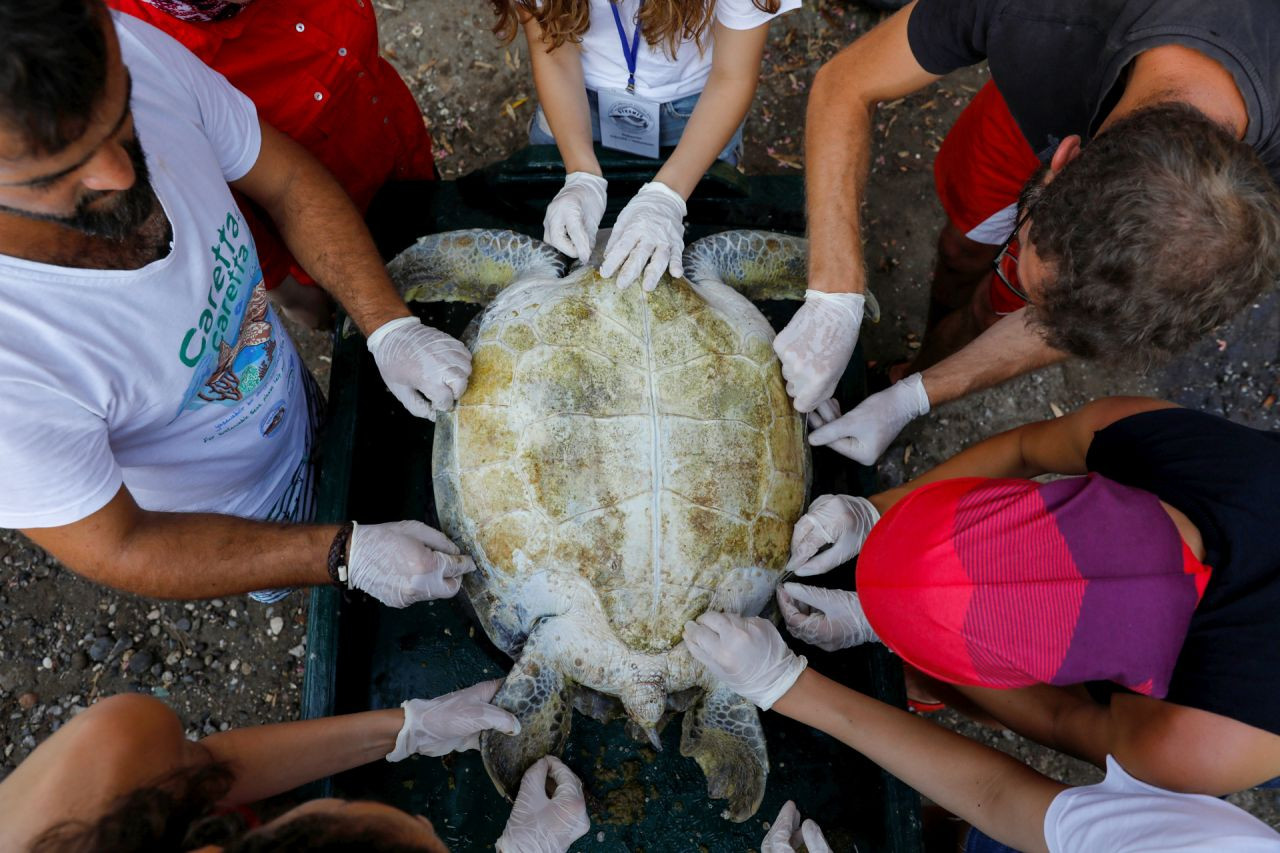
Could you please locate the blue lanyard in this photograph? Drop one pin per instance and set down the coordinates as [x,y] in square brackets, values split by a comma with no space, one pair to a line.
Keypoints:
[629,54]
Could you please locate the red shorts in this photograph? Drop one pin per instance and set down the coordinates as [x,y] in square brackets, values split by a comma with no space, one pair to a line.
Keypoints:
[979,172]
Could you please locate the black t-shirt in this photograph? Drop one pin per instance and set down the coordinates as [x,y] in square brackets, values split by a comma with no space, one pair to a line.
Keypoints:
[1226,479]
[1058,62]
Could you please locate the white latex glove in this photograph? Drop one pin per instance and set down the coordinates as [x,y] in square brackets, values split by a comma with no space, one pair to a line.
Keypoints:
[864,433]
[402,562]
[426,369]
[830,619]
[746,654]
[452,722]
[542,824]
[815,346]
[648,237]
[841,521]
[573,217]
[787,835]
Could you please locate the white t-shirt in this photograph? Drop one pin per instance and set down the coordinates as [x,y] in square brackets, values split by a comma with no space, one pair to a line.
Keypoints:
[1123,815]
[176,379]
[659,78]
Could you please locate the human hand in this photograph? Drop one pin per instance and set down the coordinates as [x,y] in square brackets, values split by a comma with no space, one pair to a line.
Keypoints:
[573,217]
[815,346]
[542,824]
[831,619]
[452,722]
[864,433]
[788,835]
[648,237]
[746,654]
[423,367]
[401,562]
[841,521]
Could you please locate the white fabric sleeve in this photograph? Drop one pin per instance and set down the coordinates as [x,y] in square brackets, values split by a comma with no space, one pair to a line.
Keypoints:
[746,15]
[229,118]
[55,468]
[1123,815]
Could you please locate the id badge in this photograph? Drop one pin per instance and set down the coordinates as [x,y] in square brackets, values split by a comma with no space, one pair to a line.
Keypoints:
[629,123]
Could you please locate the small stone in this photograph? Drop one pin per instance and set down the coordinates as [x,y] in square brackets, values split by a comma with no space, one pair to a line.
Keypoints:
[183,624]
[27,701]
[100,649]
[245,669]
[153,615]
[140,662]
[277,625]
[79,660]
[298,650]
[47,663]
[172,658]
[235,665]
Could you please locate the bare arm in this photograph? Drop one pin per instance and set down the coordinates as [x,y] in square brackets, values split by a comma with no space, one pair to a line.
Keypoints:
[129,741]
[187,555]
[268,760]
[877,67]
[735,73]
[322,228]
[1010,347]
[1056,446]
[562,91]
[997,794]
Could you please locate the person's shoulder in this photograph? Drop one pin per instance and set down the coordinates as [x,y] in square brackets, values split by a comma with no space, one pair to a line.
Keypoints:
[149,50]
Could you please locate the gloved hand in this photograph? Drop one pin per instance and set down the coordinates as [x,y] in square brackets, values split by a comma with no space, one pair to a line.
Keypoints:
[452,722]
[787,833]
[426,369]
[648,236]
[841,521]
[746,654]
[539,824]
[402,562]
[573,217]
[830,619]
[864,433]
[815,346]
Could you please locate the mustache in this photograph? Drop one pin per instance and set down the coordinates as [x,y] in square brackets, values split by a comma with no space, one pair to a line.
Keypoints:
[122,216]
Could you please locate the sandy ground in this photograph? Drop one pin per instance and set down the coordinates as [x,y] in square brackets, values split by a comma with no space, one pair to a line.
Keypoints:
[64,642]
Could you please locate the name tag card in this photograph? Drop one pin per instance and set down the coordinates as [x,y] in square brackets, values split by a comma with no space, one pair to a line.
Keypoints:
[629,123]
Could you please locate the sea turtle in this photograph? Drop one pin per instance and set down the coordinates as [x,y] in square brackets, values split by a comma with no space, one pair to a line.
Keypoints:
[621,462]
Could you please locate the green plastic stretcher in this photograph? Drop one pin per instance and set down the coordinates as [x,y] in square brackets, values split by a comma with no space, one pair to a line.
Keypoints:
[375,466]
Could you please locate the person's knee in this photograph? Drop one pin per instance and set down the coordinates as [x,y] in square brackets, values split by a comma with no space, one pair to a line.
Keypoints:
[982,314]
[958,253]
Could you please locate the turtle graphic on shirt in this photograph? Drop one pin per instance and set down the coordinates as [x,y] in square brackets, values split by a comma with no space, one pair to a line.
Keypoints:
[242,366]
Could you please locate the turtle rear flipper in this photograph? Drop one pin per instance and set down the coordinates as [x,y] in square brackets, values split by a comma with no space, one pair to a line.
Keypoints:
[538,693]
[758,264]
[723,734]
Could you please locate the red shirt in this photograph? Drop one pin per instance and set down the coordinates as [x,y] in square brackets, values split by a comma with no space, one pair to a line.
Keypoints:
[313,69]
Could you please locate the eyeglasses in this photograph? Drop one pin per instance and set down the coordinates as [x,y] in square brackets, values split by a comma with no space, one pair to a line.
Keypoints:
[1009,252]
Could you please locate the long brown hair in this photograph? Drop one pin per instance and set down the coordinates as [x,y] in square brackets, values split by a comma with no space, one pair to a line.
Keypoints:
[667,23]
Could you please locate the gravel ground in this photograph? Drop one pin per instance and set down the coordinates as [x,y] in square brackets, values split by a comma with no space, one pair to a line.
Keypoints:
[64,642]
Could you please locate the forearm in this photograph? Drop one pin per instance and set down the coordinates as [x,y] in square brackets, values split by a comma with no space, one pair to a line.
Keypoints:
[269,760]
[326,234]
[997,794]
[837,159]
[187,555]
[562,92]
[721,108]
[1009,348]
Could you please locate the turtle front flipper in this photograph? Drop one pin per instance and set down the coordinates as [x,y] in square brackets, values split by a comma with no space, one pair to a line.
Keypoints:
[758,264]
[537,692]
[722,733]
[470,266]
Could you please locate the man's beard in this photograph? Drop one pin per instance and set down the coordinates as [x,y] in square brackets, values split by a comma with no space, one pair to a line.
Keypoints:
[123,217]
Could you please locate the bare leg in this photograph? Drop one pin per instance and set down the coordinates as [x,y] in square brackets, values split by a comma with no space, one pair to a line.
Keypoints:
[959,304]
